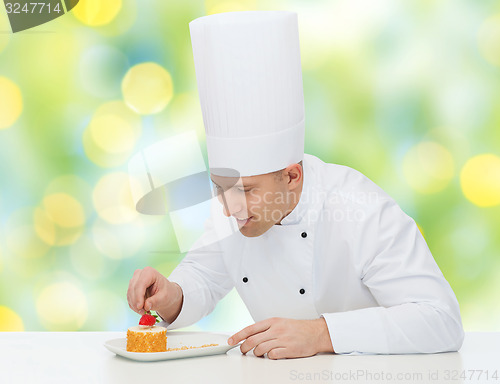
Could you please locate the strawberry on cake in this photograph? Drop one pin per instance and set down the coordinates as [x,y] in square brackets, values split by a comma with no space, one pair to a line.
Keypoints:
[146,337]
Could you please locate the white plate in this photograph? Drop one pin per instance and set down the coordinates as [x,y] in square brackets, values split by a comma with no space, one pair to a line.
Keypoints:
[176,340]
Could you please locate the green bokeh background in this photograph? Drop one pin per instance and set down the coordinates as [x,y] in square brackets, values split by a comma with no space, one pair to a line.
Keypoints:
[380,77]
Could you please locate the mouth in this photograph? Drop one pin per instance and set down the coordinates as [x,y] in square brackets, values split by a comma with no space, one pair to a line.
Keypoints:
[243,222]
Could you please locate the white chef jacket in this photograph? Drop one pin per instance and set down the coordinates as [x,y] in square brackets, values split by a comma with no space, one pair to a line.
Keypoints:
[346,253]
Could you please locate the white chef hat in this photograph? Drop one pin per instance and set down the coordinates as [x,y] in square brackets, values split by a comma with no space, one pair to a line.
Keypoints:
[250,85]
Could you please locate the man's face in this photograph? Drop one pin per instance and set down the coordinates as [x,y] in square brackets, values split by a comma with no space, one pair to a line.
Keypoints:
[256,202]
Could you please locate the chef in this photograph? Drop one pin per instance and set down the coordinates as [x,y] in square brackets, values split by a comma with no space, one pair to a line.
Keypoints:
[324,260]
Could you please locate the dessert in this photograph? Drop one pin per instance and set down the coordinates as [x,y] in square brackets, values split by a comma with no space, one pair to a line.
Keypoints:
[146,337]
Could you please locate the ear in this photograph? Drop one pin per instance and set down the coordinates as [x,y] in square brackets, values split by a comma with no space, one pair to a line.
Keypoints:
[294,176]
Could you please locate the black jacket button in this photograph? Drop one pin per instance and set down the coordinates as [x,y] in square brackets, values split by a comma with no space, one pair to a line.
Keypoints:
[304,235]
[302,291]
[245,279]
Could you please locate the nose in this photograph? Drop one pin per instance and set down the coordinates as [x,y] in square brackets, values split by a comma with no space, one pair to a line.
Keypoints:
[232,204]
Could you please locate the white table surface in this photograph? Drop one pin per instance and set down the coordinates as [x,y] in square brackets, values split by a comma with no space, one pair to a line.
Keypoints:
[80,357]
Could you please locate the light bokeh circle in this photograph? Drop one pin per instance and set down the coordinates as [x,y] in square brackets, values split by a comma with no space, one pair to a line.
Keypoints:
[97,12]
[428,167]
[480,180]
[214,7]
[60,219]
[62,306]
[112,134]
[147,88]
[75,186]
[112,199]
[489,39]
[11,104]
[64,210]
[10,321]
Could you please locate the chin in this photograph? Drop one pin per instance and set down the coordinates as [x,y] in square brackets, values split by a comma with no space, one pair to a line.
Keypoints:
[253,232]
[248,233]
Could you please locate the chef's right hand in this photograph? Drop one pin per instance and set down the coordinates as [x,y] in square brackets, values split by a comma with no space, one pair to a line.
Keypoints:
[150,290]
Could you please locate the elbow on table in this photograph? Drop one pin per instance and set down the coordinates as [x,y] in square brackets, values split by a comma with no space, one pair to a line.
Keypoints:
[438,329]
[457,340]
[452,334]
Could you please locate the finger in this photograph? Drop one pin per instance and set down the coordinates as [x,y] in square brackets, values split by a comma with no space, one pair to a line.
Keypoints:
[278,353]
[131,298]
[253,329]
[131,284]
[254,340]
[150,303]
[262,348]
[132,301]
[145,279]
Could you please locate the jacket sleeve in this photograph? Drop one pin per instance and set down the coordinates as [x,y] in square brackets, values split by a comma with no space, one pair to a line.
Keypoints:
[418,311]
[203,278]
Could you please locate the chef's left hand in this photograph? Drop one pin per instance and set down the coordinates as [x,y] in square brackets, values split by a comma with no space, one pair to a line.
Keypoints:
[284,338]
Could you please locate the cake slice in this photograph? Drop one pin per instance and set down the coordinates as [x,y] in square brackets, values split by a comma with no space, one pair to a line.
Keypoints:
[146,339]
